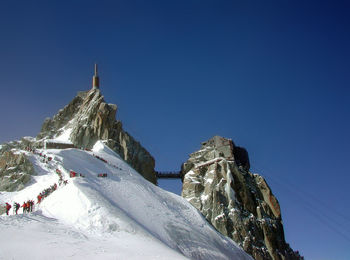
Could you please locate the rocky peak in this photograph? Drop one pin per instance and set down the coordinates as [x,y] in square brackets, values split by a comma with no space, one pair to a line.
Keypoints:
[88,118]
[95,120]
[238,203]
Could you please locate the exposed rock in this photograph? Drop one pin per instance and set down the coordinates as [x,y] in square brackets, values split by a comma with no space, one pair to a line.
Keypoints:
[89,118]
[6,147]
[236,202]
[15,171]
[55,126]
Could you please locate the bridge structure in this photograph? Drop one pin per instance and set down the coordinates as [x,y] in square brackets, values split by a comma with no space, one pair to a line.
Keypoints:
[168,175]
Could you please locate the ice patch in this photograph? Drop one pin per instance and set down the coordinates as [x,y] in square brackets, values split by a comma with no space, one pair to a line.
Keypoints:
[228,189]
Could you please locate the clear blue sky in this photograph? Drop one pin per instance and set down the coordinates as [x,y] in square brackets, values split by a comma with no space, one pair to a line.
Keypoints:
[271,75]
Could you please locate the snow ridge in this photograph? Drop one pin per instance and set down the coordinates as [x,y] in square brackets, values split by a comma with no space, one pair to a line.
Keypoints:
[122,216]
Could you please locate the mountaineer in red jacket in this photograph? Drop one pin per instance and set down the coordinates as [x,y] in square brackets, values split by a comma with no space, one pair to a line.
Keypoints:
[8,207]
[39,198]
[24,206]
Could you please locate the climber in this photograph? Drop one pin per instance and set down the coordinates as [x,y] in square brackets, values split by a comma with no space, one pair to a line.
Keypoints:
[28,206]
[16,207]
[31,203]
[39,198]
[8,207]
[72,174]
[24,206]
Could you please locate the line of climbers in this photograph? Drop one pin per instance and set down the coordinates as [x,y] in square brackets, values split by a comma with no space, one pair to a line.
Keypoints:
[104,160]
[72,174]
[46,192]
[60,178]
[100,158]
[47,159]
[29,205]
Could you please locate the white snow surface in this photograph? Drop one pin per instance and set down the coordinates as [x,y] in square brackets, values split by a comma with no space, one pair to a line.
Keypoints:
[64,137]
[122,216]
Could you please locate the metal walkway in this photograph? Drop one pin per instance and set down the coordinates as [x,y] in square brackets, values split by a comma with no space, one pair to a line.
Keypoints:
[168,175]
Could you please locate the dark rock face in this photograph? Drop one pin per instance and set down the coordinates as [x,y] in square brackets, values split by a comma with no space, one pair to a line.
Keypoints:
[15,171]
[236,202]
[241,157]
[89,118]
[54,126]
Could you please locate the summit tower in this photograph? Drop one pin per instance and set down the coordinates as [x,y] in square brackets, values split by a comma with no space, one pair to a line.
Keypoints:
[95,79]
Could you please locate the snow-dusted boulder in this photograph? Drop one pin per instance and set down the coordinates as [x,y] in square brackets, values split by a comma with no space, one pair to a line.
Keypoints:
[236,202]
[15,171]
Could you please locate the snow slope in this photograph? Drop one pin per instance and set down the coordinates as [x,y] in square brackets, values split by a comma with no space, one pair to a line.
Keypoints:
[122,216]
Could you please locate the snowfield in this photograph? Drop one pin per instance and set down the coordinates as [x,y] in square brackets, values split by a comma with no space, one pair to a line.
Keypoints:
[121,216]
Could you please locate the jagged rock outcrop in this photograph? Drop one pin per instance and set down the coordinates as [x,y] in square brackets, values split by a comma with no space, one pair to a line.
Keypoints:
[88,118]
[15,170]
[238,203]
[55,126]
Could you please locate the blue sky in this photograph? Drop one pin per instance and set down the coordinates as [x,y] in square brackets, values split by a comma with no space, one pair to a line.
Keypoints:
[271,75]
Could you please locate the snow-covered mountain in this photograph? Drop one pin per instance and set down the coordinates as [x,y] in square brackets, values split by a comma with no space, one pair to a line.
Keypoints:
[121,216]
[112,208]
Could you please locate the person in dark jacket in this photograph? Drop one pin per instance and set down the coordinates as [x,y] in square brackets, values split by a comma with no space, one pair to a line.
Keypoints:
[16,207]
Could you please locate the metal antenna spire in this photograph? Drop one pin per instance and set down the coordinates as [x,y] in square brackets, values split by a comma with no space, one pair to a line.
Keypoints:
[95,69]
